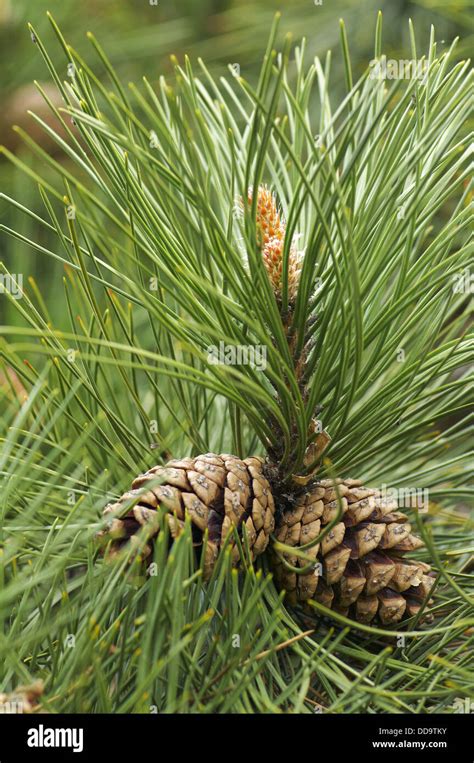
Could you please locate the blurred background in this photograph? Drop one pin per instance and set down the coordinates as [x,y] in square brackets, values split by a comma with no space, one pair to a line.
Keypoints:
[140,35]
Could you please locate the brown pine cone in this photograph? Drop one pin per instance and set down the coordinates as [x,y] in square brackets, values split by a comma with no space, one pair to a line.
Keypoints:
[217,493]
[359,568]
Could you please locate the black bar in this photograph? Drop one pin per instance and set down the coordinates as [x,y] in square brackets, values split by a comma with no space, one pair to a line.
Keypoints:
[309,738]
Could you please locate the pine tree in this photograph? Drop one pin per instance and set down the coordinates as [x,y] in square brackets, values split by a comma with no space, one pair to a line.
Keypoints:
[195,212]
[363,537]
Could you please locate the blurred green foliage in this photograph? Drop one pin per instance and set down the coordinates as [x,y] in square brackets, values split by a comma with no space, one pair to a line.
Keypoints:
[137,33]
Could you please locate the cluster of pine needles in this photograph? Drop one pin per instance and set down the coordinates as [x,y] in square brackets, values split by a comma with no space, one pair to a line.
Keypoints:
[139,212]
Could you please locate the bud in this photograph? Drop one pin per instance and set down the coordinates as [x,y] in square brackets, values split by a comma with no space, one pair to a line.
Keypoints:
[271,232]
